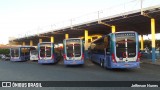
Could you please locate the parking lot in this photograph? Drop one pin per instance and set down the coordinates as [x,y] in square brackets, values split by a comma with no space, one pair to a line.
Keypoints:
[32,71]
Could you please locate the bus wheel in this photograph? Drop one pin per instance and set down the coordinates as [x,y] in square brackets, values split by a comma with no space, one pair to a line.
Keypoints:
[102,63]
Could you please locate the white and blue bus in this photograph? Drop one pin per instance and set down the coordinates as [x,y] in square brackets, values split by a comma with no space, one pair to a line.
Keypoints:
[116,50]
[34,55]
[21,53]
[47,53]
[73,51]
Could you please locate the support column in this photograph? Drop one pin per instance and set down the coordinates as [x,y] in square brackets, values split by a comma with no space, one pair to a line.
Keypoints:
[40,40]
[86,39]
[142,43]
[86,44]
[153,39]
[31,43]
[23,43]
[52,39]
[113,29]
[66,36]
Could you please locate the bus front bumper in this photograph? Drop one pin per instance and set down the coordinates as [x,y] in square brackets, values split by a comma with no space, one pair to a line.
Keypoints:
[126,65]
[73,62]
[15,60]
[43,61]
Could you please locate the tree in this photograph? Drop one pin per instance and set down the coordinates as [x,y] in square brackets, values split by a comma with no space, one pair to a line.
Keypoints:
[4,51]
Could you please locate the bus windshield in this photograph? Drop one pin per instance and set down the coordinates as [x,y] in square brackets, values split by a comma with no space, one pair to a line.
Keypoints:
[25,51]
[14,53]
[73,48]
[45,50]
[125,43]
[34,52]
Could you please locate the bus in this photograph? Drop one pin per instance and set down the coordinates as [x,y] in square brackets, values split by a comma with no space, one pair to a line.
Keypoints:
[47,53]
[34,55]
[116,50]
[21,53]
[73,51]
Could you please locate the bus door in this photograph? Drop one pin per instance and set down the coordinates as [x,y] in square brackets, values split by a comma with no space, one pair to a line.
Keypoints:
[45,52]
[126,47]
[73,50]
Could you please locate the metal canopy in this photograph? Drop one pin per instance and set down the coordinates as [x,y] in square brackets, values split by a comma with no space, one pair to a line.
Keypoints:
[130,21]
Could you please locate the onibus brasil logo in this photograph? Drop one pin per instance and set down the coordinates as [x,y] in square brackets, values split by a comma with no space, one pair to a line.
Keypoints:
[21,84]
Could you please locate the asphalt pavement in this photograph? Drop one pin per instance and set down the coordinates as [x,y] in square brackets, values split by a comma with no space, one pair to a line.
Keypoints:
[29,71]
[32,71]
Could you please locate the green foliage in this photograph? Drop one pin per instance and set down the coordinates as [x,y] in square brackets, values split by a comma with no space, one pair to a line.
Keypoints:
[4,51]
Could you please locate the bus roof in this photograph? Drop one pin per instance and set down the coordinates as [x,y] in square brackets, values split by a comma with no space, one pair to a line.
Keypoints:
[72,38]
[45,42]
[23,47]
[125,32]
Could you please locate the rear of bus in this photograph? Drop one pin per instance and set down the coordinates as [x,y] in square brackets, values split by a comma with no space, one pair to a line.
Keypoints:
[14,53]
[73,51]
[125,50]
[45,53]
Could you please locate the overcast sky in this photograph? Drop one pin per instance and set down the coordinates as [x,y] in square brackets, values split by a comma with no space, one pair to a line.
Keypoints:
[20,16]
